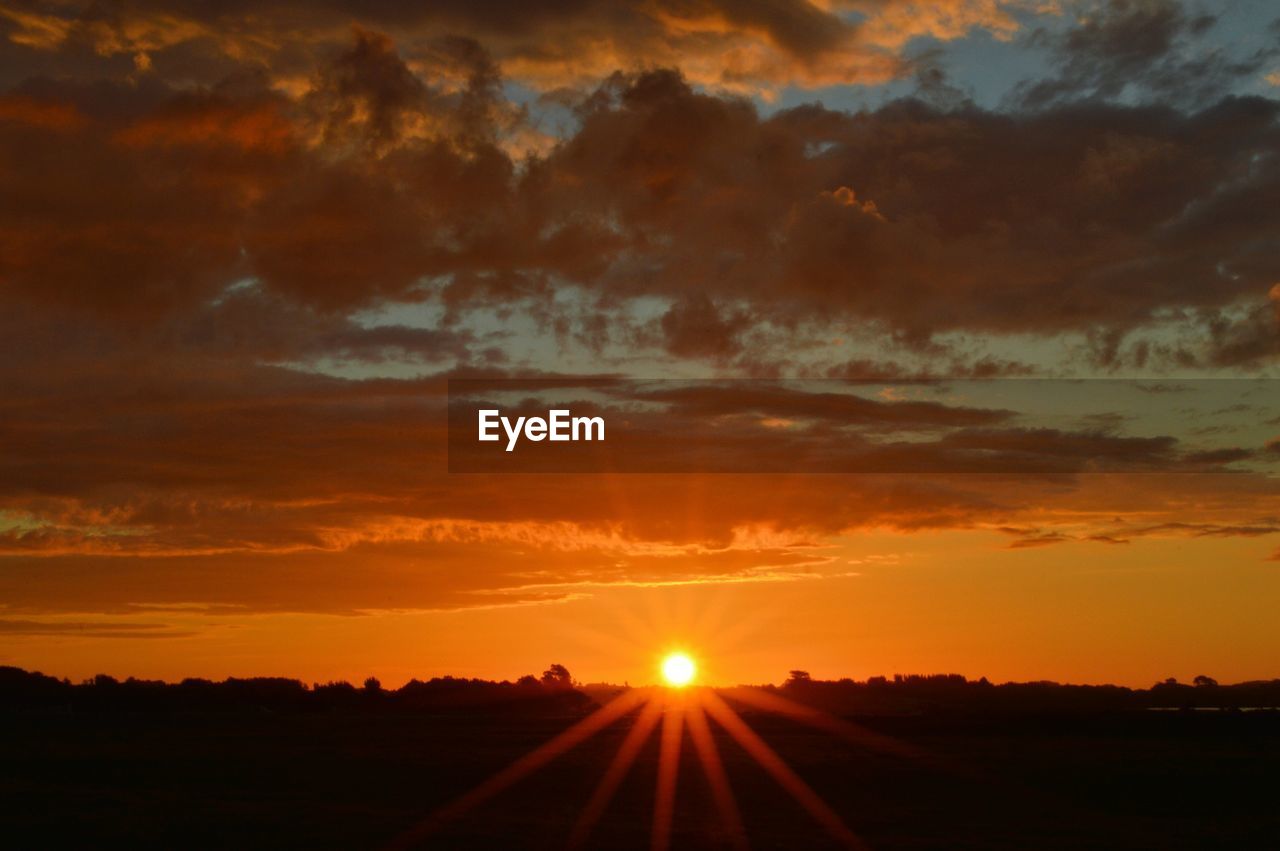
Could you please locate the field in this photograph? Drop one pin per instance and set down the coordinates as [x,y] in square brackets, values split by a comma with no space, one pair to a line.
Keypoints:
[1152,780]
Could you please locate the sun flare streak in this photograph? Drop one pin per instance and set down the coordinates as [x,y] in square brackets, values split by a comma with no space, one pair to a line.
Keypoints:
[853,733]
[525,765]
[616,772]
[722,793]
[664,806]
[769,760]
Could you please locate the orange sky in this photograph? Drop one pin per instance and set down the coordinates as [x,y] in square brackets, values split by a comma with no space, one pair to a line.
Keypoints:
[924,602]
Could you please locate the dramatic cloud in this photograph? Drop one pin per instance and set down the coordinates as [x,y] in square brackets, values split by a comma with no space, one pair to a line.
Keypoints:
[378,185]
[926,221]
[242,246]
[748,46]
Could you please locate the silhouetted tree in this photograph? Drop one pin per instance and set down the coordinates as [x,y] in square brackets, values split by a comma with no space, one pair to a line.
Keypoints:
[797,677]
[557,676]
[1205,682]
[373,685]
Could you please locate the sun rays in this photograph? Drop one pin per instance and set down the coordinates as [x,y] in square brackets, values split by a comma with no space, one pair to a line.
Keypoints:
[664,805]
[649,717]
[670,712]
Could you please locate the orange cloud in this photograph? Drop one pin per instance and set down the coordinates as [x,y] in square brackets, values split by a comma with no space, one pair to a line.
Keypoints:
[254,127]
[42,114]
[749,47]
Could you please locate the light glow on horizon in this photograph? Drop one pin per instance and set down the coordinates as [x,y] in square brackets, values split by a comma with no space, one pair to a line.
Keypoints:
[678,669]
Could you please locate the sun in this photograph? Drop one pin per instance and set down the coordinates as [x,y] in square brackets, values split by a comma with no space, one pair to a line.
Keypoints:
[678,670]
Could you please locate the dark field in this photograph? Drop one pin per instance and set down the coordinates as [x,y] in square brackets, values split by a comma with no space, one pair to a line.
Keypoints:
[1153,780]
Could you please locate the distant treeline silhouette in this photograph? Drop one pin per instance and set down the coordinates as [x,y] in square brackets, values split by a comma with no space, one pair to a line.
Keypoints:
[903,694]
[555,693]
[552,693]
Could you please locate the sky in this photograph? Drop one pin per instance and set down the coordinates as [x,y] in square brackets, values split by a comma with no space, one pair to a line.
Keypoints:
[1020,259]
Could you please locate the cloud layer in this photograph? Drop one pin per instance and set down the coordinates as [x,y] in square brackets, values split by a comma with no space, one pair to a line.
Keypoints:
[242,246]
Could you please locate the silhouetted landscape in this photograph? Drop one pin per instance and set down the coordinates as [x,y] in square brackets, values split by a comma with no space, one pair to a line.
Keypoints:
[948,762]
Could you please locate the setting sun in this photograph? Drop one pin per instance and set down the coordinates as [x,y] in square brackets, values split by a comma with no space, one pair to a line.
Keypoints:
[678,670]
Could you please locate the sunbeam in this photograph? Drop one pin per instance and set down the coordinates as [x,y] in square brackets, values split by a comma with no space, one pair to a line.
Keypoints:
[713,768]
[850,732]
[525,765]
[616,772]
[781,772]
[668,770]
